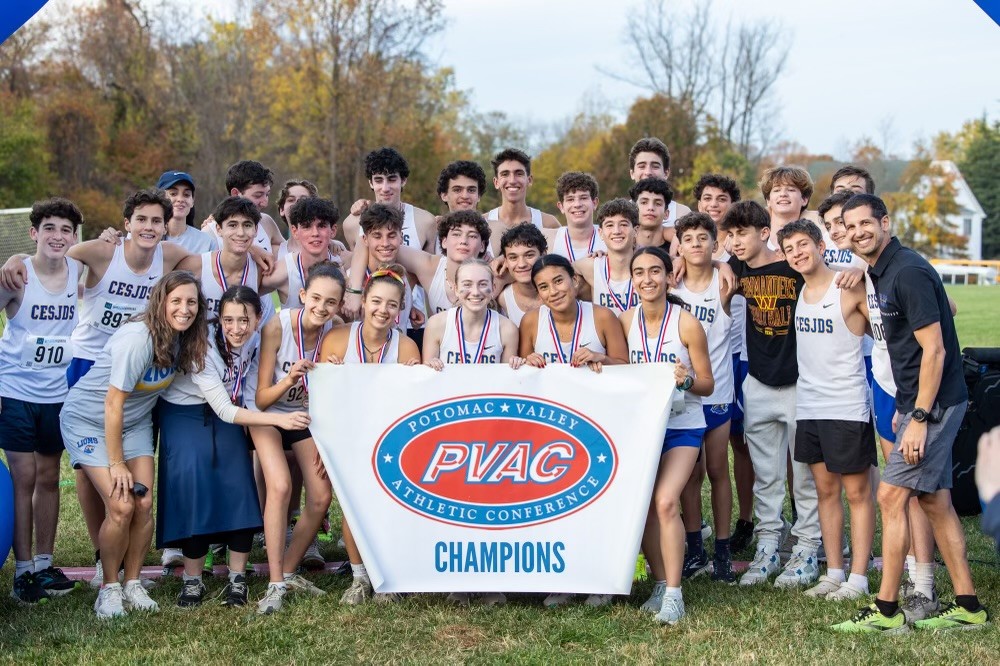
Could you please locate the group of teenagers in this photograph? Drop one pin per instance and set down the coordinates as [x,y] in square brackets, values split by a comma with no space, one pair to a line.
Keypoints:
[795,337]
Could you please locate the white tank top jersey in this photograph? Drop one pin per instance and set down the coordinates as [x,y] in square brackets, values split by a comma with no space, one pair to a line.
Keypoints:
[555,350]
[832,383]
[706,307]
[738,312]
[511,309]
[294,399]
[261,239]
[186,390]
[562,246]
[283,250]
[665,346]
[295,281]
[437,293]
[455,348]
[670,218]
[616,295]
[213,289]
[35,348]
[881,369]
[536,216]
[389,352]
[837,259]
[120,294]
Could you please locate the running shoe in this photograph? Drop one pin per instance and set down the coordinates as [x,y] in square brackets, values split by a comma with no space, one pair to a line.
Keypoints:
[271,603]
[192,593]
[55,582]
[847,592]
[655,601]
[906,586]
[764,566]
[671,611]
[172,557]
[358,593]
[598,600]
[953,616]
[801,569]
[493,599]
[98,578]
[558,599]
[742,536]
[722,571]
[459,598]
[825,587]
[870,620]
[28,590]
[918,607]
[695,565]
[136,597]
[298,584]
[236,592]
[109,602]
[312,559]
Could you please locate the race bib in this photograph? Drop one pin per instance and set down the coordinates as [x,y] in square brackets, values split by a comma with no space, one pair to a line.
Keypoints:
[114,314]
[44,351]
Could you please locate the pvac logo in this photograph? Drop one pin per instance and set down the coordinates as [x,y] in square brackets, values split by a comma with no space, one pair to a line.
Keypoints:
[495,461]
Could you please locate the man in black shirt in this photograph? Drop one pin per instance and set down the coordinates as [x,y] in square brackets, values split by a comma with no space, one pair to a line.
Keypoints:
[771,289]
[931,400]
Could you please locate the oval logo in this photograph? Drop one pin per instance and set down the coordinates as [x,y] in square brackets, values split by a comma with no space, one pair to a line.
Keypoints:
[494,461]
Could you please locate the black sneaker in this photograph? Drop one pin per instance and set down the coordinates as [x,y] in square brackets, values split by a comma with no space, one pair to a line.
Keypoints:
[344,569]
[742,536]
[236,592]
[722,571]
[191,594]
[695,565]
[54,582]
[28,591]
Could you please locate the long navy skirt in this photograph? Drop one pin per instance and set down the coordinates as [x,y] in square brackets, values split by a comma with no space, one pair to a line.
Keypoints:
[205,484]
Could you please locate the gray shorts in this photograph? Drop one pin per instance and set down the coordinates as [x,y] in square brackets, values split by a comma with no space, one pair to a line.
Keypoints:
[933,472]
[84,441]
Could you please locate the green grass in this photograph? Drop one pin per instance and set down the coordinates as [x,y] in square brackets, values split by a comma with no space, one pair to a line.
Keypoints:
[724,625]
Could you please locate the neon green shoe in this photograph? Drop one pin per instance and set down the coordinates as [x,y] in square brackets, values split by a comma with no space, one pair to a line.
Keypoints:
[954,616]
[870,619]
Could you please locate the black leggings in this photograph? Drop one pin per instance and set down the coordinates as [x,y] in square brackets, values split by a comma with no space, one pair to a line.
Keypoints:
[238,541]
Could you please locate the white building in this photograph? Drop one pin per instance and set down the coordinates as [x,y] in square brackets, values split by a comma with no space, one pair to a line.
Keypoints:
[968,221]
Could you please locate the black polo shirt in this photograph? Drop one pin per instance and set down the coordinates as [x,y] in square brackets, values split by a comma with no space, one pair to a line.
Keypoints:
[911,296]
[771,292]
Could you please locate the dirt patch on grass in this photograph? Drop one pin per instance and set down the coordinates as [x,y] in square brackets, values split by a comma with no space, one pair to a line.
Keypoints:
[462,636]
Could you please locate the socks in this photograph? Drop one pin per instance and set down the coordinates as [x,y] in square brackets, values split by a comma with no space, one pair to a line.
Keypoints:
[22,567]
[969,602]
[233,575]
[858,582]
[769,547]
[887,608]
[923,579]
[911,564]
[287,576]
[192,579]
[836,574]
[695,546]
[722,549]
[43,562]
[359,571]
[97,555]
[672,593]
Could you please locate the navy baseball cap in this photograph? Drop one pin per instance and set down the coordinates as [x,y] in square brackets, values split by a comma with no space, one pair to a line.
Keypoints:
[171,178]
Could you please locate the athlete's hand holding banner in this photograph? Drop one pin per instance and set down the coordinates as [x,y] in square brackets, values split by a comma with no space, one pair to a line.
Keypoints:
[485,478]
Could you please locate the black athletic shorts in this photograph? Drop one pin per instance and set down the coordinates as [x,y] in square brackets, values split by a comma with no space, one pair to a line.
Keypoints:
[847,447]
[30,427]
[289,437]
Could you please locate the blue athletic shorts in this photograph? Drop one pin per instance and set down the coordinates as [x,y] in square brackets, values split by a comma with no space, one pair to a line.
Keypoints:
[77,368]
[885,409]
[868,370]
[682,437]
[740,371]
[716,415]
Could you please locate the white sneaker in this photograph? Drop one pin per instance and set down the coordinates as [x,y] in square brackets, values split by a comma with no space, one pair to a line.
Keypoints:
[846,592]
[826,586]
[801,569]
[312,559]
[296,583]
[764,566]
[459,598]
[271,603]
[493,599]
[598,600]
[172,557]
[357,593]
[558,599]
[109,602]
[655,601]
[98,578]
[136,597]
[671,611]
[918,607]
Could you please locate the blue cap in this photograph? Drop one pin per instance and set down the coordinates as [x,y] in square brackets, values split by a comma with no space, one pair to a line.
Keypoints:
[171,178]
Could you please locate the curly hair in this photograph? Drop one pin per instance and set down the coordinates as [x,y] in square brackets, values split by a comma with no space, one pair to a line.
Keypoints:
[511,155]
[385,162]
[620,206]
[466,168]
[184,351]
[461,218]
[245,173]
[55,207]
[145,197]
[719,182]
[576,181]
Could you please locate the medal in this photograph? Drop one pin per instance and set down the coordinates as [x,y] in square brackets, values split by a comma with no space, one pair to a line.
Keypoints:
[619,305]
[300,339]
[574,341]
[659,338]
[571,254]
[222,275]
[481,347]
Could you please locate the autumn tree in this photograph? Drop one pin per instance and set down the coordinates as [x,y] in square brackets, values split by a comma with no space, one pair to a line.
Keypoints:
[922,206]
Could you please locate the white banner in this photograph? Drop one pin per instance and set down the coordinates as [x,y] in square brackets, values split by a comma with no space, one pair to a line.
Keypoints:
[482,478]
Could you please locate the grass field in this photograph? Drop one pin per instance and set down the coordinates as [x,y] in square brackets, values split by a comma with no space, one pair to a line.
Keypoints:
[724,624]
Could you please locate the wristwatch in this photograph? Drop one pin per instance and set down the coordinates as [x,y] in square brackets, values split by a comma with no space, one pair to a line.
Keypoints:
[920,415]
[687,383]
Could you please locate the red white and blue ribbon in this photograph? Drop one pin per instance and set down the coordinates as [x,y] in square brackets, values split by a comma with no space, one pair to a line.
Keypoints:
[239,376]
[222,275]
[619,305]
[659,338]
[481,347]
[571,253]
[574,342]
[300,340]
[361,346]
